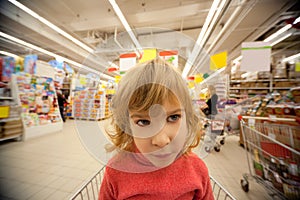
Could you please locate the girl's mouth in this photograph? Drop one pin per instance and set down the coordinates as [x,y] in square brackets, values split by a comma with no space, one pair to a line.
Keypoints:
[162,155]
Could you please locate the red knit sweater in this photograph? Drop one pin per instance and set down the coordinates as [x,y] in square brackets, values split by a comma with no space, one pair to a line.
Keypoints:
[186,178]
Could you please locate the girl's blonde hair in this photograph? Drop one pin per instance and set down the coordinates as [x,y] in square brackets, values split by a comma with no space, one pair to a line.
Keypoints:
[143,86]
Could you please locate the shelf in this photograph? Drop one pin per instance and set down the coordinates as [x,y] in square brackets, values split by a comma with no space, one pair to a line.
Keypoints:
[292,79]
[6,98]
[250,81]
[10,119]
[238,95]
[11,137]
[265,80]
[281,88]
[249,88]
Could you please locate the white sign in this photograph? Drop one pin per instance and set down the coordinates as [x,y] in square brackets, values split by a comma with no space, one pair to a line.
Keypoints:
[127,61]
[256,56]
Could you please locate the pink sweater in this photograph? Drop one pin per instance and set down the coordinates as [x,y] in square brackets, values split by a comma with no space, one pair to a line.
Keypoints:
[186,178]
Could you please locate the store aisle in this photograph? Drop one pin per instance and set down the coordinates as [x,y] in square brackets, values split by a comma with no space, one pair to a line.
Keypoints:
[49,167]
[56,165]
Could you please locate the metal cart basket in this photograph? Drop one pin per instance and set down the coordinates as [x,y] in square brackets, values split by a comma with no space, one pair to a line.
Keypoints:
[89,191]
[273,156]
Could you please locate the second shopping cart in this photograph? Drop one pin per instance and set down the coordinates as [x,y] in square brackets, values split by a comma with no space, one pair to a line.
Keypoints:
[273,156]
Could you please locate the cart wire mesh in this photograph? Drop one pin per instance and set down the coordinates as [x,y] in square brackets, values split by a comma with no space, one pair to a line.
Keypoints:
[273,156]
[89,190]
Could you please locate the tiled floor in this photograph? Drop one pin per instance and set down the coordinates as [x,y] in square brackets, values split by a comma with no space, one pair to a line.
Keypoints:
[56,165]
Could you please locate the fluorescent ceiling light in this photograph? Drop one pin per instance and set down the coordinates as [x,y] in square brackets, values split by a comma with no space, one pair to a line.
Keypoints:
[213,21]
[296,20]
[291,57]
[52,26]
[281,39]
[125,23]
[237,59]
[200,39]
[277,33]
[53,54]
[9,54]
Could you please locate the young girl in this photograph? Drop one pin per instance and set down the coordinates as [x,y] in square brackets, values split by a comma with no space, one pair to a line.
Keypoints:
[155,129]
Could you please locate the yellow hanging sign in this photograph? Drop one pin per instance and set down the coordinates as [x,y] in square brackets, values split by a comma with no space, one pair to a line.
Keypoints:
[198,78]
[148,54]
[218,61]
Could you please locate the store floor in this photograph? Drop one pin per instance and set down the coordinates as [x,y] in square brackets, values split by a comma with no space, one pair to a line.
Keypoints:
[54,167]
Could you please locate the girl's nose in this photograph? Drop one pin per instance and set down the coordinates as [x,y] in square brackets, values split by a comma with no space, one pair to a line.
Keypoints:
[161,139]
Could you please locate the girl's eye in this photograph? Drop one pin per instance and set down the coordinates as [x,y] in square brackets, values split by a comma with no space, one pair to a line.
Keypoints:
[173,118]
[143,122]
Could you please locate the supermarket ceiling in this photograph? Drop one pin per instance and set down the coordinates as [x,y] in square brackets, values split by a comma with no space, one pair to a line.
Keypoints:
[167,24]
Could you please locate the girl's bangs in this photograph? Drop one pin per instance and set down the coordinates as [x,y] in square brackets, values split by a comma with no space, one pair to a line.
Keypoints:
[149,94]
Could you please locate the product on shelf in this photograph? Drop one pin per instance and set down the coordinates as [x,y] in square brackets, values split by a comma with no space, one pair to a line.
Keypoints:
[8,68]
[38,99]
[89,104]
[30,64]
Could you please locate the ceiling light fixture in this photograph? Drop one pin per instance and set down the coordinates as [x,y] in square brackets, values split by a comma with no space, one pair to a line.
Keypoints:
[80,66]
[236,60]
[125,24]
[282,30]
[296,20]
[52,26]
[281,39]
[291,57]
[277,33]
[9,54]
[200,40]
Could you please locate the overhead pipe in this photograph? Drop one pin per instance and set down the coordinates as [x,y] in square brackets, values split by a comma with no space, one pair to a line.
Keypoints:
[115,39]
[227,24]
[196,50]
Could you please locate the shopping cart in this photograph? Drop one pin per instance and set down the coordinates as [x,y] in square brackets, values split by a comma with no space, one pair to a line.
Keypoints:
[214,133]
[89,191]
[214,136]
[273,155]
[222,125]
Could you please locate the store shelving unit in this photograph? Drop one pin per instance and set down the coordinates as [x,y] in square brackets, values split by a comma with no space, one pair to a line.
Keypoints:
[245,88]
[36,123]
[11,126]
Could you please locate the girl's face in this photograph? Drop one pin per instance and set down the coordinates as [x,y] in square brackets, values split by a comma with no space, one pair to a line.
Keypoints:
[160,133]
